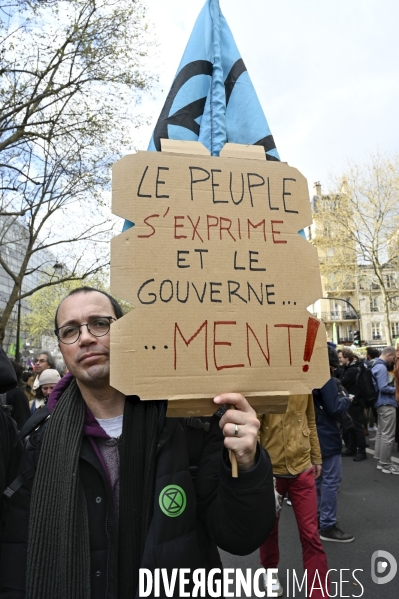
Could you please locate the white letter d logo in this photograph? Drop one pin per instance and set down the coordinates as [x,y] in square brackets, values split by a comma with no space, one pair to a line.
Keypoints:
[379,567]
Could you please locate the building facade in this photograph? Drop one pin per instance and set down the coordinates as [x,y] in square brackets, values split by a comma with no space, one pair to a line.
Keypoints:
[352,299]
[12,250]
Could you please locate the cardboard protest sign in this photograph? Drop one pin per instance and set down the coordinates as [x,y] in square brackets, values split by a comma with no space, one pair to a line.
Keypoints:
[219,276]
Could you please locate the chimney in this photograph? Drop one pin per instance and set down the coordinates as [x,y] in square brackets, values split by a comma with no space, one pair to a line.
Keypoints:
[317,188]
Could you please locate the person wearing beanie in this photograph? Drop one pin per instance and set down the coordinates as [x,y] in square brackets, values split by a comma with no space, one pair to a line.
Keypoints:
[8,379]
[16,399]
[331,403]
[47,381]
[42,361]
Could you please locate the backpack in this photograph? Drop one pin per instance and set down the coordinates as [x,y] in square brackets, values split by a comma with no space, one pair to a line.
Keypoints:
[343,421]
[365,385]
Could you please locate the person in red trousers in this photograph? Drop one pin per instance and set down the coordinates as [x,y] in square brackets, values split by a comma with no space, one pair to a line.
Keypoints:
[292,443]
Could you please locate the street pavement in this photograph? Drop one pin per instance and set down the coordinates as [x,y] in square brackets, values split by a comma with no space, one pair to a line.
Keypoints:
[368,507]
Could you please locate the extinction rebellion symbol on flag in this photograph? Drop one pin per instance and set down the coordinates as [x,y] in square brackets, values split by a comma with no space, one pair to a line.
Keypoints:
[172,501]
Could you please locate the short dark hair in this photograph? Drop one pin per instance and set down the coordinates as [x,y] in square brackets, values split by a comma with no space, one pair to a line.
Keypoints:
[332,357]
[50,359]
[26,376]
[115,305]
[18,368]
[373,352]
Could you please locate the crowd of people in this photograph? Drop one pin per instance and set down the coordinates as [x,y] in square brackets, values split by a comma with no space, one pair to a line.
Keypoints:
[307,443]
[96,485]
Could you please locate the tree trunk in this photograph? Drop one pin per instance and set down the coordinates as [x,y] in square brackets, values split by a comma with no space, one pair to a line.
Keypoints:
[5,317]
[385,299]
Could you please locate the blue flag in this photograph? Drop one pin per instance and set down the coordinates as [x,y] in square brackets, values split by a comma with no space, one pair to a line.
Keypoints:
[212,99]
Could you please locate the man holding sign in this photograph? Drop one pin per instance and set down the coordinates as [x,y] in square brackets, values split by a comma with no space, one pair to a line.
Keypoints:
[106,483]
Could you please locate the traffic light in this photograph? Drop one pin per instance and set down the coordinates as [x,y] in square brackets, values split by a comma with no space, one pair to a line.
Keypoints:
[356,337]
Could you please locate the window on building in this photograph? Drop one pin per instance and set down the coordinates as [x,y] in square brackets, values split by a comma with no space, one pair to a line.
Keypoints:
[394,304]
[374,304]
[335,311]
[376,330]
[395,329]
[348,308]
[390,281]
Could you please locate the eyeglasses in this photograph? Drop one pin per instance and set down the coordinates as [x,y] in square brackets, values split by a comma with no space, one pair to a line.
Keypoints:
[41,361]
[98,327]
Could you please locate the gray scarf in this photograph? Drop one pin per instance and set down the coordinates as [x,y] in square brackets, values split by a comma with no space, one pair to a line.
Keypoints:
[59,543]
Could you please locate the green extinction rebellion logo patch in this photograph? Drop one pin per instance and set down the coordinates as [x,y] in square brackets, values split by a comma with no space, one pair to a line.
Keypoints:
[172,500]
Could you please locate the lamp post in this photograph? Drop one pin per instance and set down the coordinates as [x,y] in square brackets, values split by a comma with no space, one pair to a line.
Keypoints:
[17,352]
[340,299]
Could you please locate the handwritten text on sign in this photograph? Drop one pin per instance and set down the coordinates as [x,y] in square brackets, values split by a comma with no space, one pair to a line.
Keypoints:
[219,276]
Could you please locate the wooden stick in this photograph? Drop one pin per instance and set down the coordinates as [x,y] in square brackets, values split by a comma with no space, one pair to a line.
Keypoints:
[234,465]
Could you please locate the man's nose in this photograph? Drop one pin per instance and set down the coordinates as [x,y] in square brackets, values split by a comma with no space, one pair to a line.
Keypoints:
[85,336]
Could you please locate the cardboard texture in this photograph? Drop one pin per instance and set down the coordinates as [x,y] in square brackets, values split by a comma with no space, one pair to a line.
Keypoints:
[219,276]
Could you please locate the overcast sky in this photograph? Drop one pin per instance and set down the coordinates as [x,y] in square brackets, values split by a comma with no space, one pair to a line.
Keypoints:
[326,73]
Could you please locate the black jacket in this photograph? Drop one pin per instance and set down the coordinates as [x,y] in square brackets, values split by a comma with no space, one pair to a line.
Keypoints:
[348,380]
[10,455]
[8,380]
[235,514]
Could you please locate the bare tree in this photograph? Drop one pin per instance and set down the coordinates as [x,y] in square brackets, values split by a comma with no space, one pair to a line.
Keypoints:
[44,303]
[358,228]
[72,73]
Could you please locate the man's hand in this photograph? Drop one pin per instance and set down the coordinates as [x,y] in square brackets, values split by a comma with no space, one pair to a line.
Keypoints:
[243,443]
[317,470]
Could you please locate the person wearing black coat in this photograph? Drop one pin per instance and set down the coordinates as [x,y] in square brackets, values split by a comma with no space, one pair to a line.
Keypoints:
[8,380]
[331,403]
[100,504]
[357,446]
[9,455]
[233,514]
